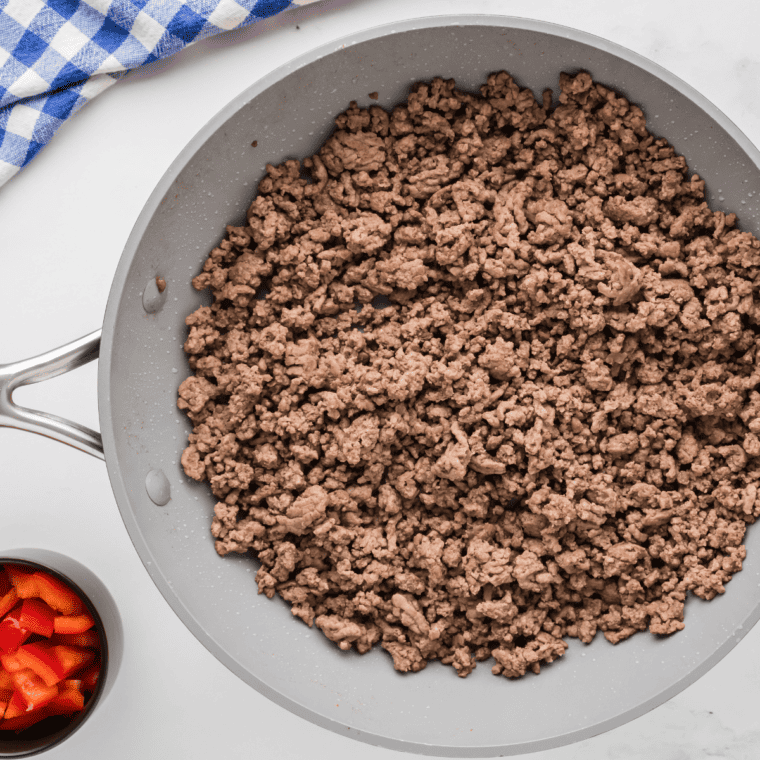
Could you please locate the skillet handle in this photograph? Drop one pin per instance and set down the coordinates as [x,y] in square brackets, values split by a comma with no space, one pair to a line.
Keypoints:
[42,367]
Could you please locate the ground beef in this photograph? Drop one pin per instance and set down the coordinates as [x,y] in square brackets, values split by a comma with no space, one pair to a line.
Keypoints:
[481,375]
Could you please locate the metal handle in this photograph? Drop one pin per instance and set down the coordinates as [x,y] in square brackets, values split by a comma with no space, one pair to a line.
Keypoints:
[43,367]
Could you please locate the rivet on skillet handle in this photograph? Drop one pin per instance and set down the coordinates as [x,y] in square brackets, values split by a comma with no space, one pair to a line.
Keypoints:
[42,367]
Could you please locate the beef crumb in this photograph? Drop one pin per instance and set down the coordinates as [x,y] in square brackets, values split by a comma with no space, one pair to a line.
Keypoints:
[551,427]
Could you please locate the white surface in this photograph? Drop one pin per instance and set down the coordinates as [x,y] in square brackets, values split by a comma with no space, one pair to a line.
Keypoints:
[63,223]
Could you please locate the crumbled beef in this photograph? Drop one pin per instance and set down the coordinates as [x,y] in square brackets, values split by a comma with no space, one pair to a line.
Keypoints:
[548,425]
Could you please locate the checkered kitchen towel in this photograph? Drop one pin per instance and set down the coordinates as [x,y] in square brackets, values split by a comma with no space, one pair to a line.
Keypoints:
[56,55]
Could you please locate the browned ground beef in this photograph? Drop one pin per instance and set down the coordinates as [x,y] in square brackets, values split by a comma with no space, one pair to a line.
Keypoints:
[553,427]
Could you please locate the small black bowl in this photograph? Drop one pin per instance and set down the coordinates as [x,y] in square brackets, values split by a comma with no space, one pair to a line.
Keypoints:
[54,729]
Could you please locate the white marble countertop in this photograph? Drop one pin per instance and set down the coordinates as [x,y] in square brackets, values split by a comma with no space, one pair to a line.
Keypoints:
[63,223]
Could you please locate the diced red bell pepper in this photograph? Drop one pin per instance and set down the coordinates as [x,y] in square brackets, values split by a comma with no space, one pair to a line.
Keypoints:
[72,659]
[87,639]
[66,702]
[8,601]
[90,677]
[52,673]
[12,633]
[38,617]
[43,660]
[34,691]
[73,623]
[16,706]
[58,595]
[23,580]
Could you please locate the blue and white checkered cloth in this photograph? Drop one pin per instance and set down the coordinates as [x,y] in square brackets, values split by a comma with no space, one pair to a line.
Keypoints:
[56,55]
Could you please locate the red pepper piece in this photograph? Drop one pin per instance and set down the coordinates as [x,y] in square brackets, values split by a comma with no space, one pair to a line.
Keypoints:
[5,698]
[87,639]
[73,623]
[8,601]
[18,716]
[34,691]
[72,659]
[38,617]
[5,680]
[90,678]
[16,706]
[10,662]
[12,633]
[58,595]
[23,580]
[66,702]
[43,660]
[70,683]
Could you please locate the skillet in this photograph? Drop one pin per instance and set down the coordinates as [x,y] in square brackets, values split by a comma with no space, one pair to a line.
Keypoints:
[289,114]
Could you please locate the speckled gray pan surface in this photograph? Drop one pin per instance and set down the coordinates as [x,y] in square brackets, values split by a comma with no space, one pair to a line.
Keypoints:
[289,113]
